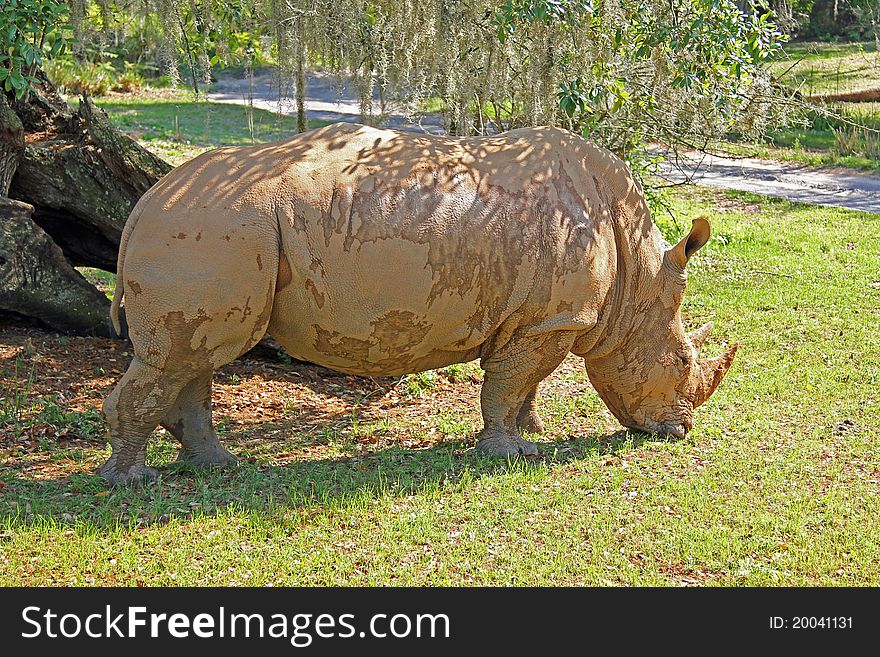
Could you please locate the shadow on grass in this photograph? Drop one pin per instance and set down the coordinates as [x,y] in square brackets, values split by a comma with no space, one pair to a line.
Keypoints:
[84,502]
[307,460]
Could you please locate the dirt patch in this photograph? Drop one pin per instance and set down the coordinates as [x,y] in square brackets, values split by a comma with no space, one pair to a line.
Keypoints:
[52,388]
[681,574]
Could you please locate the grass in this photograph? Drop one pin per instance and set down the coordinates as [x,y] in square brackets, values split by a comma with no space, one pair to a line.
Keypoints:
[850,146]
[827,142]
[822,136]
[777,485]
[105,281]
[821,68]
[177,128]
[817,68]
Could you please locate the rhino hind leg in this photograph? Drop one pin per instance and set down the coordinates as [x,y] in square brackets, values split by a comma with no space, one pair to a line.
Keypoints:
[529,420]
[189,420]
[134,408]
[510,387]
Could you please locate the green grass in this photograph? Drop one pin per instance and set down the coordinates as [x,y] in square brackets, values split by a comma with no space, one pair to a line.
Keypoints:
[103,280]
[827,143]
[817,51]
[826,140]
[777,484]
[177,127]
[820,68]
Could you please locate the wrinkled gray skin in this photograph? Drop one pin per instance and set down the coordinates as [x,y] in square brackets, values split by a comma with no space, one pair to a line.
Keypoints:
[376,252]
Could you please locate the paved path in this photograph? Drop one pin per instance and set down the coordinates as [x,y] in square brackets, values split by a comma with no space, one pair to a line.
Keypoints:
[327,100]
[843,188]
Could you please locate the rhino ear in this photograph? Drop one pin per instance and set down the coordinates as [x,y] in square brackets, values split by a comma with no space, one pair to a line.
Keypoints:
[679,254]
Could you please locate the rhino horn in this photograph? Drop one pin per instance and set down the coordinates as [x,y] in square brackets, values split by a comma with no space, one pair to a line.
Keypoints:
[713,370]
[699,336]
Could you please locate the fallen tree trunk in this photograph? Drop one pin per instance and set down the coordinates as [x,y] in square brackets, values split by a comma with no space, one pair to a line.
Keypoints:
[861,96]
[83,177]
[72,179]
[11,144]
[36,280]
[80,177]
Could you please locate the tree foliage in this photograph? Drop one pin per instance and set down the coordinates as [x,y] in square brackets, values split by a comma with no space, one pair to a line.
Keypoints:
[624,72]
[30,30]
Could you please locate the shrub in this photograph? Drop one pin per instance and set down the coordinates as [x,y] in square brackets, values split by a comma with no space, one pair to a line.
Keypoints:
[93,78]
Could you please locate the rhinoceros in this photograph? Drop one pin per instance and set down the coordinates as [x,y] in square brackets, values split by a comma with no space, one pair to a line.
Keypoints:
[378,252]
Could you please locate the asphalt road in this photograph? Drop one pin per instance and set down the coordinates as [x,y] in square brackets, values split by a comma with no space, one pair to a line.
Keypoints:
[326,100]
[843,188]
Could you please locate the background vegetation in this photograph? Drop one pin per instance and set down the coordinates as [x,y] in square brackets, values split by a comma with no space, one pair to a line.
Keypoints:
[624,72]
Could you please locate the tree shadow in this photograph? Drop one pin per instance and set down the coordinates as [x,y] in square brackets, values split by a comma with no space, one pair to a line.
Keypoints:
[84,503]
[305,461]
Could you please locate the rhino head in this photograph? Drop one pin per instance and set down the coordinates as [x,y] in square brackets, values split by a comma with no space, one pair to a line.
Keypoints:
[653,377]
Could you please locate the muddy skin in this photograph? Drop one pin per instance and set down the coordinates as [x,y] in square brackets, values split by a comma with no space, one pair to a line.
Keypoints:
[375,252]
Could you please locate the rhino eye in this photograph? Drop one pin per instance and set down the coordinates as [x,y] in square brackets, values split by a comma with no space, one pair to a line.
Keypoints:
[684,360]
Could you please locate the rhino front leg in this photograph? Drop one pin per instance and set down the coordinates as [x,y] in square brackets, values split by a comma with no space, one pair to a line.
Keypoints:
[529,420]
[189,420]
[510,385]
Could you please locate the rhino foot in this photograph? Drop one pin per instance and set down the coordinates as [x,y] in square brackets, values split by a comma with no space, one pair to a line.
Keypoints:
[205,458]
[137,475]
[506,447]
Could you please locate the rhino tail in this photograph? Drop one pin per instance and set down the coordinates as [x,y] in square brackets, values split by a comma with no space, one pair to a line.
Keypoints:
[114,306]
[119,289]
